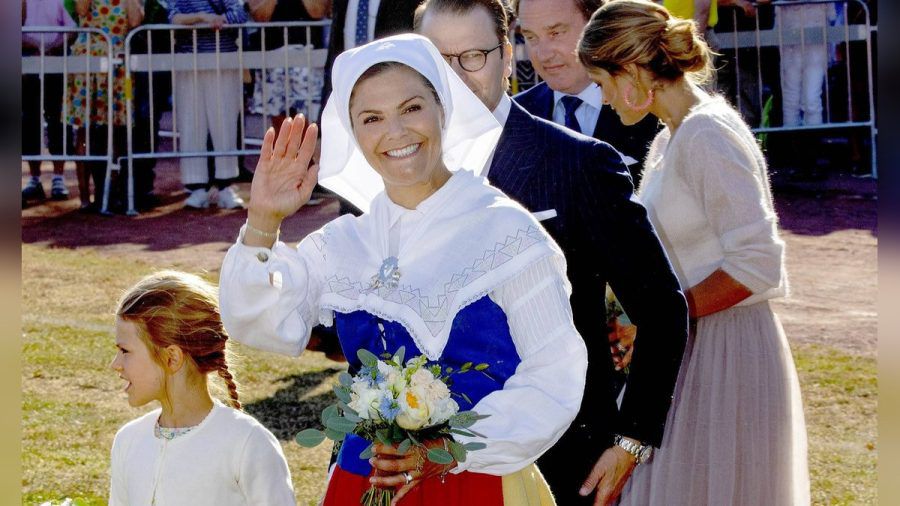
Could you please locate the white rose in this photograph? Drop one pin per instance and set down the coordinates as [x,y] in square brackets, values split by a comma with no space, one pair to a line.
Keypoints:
[443,410]
[392,378]
[414,409]
[421,378]
[435,391]
[364,400]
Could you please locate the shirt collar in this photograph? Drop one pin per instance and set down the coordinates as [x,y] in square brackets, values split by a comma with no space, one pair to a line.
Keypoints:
[396,211]
[591,95]
[501,112]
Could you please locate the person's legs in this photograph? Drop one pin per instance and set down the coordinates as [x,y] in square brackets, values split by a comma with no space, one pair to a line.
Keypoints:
[222,99]
[791,67]
[222,113]
[815,63]
[54,89]
[192,131]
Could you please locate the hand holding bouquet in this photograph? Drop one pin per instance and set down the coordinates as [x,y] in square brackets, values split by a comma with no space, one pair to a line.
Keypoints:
[409,415]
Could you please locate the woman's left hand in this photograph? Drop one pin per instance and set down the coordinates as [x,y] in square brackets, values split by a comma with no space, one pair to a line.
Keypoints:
[393,467]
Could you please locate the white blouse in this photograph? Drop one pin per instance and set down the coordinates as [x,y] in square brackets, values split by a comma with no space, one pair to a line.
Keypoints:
[536,405]
[707,194]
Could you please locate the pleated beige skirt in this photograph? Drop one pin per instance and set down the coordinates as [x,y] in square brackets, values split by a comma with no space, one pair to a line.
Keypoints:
[735,434]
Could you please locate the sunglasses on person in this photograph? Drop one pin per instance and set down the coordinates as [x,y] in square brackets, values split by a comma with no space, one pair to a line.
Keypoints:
[472,60]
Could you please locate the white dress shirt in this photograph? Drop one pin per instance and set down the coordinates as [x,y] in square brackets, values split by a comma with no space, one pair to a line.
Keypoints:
[587,113]
[350,22]
[501,113]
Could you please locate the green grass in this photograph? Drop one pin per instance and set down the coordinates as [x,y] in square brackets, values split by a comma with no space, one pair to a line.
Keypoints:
[840,396]
[73,404]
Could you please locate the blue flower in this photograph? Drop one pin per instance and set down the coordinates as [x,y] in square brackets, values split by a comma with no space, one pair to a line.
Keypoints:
[370,375]
[388,409]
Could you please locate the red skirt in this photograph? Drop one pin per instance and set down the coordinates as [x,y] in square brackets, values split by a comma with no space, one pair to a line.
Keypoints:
[465,488]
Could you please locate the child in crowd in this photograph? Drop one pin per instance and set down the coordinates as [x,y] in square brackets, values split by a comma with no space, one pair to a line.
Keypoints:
[207,101]
[193,450]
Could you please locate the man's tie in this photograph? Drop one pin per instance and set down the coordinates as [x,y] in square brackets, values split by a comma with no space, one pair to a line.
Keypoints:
[362,22]
[570,103]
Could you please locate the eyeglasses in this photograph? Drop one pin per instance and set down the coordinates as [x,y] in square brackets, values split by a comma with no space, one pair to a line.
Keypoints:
[472,60]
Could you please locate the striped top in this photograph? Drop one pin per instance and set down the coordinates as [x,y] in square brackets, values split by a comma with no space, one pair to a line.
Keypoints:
[234,13]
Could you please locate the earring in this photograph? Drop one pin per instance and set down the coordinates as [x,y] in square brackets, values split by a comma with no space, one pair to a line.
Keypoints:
[626,97]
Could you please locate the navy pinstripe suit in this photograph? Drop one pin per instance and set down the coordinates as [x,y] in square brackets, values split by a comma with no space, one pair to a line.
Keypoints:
[606,237]
[633,140]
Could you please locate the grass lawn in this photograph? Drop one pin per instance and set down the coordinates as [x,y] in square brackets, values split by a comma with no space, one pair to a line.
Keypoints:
[73,404]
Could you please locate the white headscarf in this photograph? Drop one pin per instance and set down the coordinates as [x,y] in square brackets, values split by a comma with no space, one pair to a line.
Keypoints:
[470,131]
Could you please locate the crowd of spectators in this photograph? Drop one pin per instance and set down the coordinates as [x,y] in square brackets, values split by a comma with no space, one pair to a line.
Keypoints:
[792,79]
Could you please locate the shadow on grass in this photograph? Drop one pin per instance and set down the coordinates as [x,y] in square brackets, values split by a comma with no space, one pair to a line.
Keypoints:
[287,411]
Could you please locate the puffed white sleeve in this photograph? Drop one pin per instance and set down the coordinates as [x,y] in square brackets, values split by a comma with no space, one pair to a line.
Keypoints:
[264,476]
[729,179]
[540,400]
[269,298]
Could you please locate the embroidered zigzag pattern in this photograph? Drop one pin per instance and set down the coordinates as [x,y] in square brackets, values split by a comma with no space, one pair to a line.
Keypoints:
[434,310]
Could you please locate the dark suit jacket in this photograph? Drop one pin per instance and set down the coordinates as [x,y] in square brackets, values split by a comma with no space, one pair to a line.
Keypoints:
[633,140]
[394,16]
[606,237]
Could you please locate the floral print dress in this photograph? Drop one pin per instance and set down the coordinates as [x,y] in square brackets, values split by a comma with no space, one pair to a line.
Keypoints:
[111,17]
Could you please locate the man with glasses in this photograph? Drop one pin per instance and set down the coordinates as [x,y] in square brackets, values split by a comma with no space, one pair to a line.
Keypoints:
[580,190]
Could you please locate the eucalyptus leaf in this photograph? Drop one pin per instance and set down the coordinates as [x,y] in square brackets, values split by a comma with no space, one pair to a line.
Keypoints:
[466,397]
[404,446]
[368,452]
[440,456]
[462,432]
[383,436]
[348,411]
[457,450]
[340,424]
[342,394]
[345,379]
[473,446]
[309,438]
[352,416]
[400,355]
[366,357]
[334,435]
[328,413]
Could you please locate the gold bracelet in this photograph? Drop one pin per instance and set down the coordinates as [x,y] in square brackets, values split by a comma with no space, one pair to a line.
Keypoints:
[263,233]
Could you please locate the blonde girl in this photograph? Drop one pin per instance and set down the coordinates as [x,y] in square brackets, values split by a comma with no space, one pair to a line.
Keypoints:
[193,449]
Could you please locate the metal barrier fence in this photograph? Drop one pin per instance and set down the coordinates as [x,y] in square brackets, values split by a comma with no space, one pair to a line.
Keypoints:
[810,48]
[68,65]
[180,64]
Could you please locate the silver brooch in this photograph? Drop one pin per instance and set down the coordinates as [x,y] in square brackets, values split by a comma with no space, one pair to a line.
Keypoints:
[388,275]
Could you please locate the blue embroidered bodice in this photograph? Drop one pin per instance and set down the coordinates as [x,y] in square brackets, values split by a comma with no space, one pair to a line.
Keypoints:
[479,334]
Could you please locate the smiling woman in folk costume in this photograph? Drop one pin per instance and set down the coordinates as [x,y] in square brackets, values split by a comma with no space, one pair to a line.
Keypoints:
[440,263]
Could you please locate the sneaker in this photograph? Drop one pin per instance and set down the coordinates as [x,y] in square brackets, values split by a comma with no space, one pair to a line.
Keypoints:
[58,190]
[34,190]
[228,199]
[199,199]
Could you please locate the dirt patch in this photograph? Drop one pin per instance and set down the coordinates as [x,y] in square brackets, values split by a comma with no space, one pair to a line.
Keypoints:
[830,227]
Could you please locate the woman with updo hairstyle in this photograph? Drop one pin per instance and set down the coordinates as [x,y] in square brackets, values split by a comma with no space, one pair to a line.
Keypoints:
[735,433]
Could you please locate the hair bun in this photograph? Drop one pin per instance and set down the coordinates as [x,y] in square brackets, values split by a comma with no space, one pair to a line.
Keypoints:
[684,47]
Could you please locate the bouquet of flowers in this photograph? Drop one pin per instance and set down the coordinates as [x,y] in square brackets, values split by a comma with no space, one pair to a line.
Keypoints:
[397,403]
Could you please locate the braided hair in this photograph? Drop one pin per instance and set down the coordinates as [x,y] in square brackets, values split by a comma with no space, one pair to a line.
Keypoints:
[176,308]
